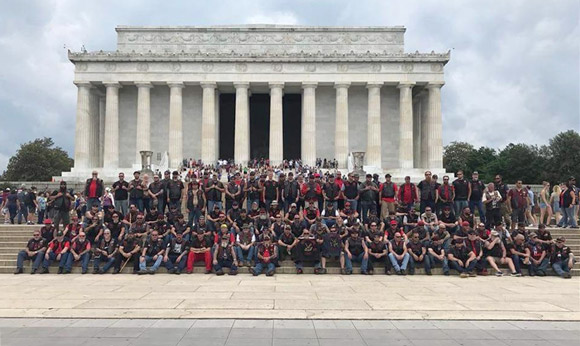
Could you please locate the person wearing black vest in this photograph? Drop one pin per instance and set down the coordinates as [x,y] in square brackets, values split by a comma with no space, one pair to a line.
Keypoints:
[418,254]
[58,250]
[427,192]
[224,256]
[503,190]
[34,252]
[267,254]
[475,195]
[445,194]
[368,197]
[174,191]
[232,192]
[355,250]
[398,254]
[538,257]
[252,190]
[461,187]
[562,258]
[195,203]
[387,196]
[496,254]
[270,192]
[106,252]
[62,202]
[474,244]
[244,246]
[291,192]
[461,258]
[157,193]
[153,251]
[331,192]
[176,254]
[136,191]
[94,190]
[437,253]
[129,250]
[80,250]
[165,184]
[307,249]
[351,193]
[378,255]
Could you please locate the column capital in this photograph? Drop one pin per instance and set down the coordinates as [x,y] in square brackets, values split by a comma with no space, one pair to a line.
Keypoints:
[208,85]
[112,85]
[437,84]
[405,85]
[179,85]
[143,85]
[242,85]
[83,84]
[273,85]
[306,85]
[338,85]
[374,85]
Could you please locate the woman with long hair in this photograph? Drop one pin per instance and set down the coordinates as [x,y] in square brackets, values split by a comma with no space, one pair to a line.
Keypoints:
[555,202]
[545,205]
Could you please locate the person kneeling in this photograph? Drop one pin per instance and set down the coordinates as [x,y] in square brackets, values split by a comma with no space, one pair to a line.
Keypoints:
[176,254]
[355,250]
[267,254]
[224,256]
[461,259]
[153,251]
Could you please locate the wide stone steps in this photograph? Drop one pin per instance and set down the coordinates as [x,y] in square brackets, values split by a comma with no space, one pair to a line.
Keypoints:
[13,238]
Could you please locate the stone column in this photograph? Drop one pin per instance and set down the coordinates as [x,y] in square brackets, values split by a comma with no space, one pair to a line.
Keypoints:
[111,154]
[405,125]
[424,99]
[94,147]
[208,123]
[175,124]
[143,119]
[242,125]
[276,124]
[82,127]
[102,108]
[434,126]
[341,126]
[309,123]
[373,153]
[417,131]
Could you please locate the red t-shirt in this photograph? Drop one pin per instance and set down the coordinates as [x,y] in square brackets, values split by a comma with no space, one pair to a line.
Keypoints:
[93,189]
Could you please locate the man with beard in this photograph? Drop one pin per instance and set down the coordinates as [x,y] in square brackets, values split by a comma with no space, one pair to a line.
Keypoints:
[61,201]
[136,191]
[461,259]
[438,253]
[225,257]
[116,227]
[34,252]
[233,192]
[355,250]
[298,225]
[153,251]
[157,193]
[80,251]
[174,191]
[418,254]
[291,192]
[121,193]
[176,254]
[129,250]
[307,249]
[332,246]
[213,192]
[200,250]
[106,252]
[267,255]
[139,227]
[378,254]
[245,241]
[58,249]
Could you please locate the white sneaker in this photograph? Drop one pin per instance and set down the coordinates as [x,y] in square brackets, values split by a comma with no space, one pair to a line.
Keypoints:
[499,273]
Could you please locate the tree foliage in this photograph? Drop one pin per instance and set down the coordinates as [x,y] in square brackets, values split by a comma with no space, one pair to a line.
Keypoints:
[555,162]
[37,160]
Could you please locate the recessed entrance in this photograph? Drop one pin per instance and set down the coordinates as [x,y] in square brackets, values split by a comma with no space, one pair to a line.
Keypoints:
[259,126]
[292,124]
[226,126]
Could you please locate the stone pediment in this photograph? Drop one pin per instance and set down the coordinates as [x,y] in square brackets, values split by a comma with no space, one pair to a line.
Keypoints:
[261,40]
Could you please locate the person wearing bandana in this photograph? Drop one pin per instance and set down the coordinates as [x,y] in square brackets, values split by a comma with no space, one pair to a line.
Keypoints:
[224,256]
[307,250]
[267,255]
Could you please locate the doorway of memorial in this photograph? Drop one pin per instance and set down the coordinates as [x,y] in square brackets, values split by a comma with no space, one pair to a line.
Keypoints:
[227,113]
[292,126]
[259,126]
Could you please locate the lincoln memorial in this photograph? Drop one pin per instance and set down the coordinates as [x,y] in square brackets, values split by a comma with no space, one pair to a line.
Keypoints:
[242,92]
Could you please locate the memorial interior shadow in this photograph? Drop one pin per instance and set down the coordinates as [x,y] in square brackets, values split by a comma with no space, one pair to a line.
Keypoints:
[260,125]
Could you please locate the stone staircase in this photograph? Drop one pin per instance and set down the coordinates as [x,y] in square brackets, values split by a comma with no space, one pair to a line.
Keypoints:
[13,238]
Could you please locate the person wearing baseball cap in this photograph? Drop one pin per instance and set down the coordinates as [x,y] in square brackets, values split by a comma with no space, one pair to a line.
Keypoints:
[267,254]
[538,256]
[461,259]
[58,250]
[562,258]
[497,254]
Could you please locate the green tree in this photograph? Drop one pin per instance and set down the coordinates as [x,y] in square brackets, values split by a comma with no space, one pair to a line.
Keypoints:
[37,160]
[520,162]
[456,156]
[563,155]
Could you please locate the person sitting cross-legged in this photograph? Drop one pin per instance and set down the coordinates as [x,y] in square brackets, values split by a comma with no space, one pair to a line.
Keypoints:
[267,255]
[152,251]
[461,259]
[224,256]
[80,251]
[176,254]
[34,252]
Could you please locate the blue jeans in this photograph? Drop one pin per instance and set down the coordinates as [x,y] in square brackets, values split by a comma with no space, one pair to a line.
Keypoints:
[426,264]
[444,263]
[360,258]
[460,205]
[93,201]
[518,262]
[108,262]
[367,207]
[561,267]
[154,267]
[249,254]
[85,258]
[568,217]
[212,204]
[479,206]
[35,259]
[193,216]
[463,269]
[225,264]
[52,256]
[138,202]
[175,203]
[353,203]
[171,262]
[122,206]
[534,269]
[22,213]
[13,211]
[259,268]
[399,266]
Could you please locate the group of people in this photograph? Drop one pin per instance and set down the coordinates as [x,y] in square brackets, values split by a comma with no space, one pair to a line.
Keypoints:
[260,217]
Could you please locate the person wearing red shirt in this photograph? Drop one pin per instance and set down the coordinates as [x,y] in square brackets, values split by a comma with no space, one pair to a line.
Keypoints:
[58,249]
[94,190]
[408,194]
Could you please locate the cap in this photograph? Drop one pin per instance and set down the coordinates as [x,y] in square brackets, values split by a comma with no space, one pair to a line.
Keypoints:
[435,237]
[292,205]
[347,203]
[266,237]
[533,235]
[59,234]
[387,175]
[167,172]
[394,222]
[561,238]
[47,221]
[475,172]
[494,233]
[175,172]
[160,217]
[235,204]
[481,224]
[262,210]
[224,226]
[316,175]
[457,241]
[275,202]
[179,232]
[369,175]
[465,223]
[420,223]
[246,226]
[200,232]
[354,230]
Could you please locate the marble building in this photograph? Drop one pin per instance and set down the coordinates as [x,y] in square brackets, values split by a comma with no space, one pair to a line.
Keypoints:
[274,91]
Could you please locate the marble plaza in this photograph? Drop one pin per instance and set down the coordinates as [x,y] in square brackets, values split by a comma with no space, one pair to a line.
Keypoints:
[240,92]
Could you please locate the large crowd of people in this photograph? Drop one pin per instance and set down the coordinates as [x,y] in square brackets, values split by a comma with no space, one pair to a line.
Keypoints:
[228,216]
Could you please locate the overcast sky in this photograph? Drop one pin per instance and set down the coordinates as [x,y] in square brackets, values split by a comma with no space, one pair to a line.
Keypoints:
[513,76]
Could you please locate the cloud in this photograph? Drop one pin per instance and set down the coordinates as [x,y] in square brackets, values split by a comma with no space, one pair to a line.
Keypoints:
[513,75]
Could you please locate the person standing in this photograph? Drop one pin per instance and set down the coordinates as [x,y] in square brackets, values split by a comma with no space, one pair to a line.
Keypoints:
[62,202]
[444,195]
[94,190]
[427,190]
[136,191]
[545,205]
[121,193]
[156,192]
[368,196]
[492,201]
[388,196]
[517,201]
[291,192]
[461,187]
[555,202]
[568,202]
[475,194]
[213,191]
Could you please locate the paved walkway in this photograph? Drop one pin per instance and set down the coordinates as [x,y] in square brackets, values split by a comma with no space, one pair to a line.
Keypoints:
[290,297]
[113,332]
